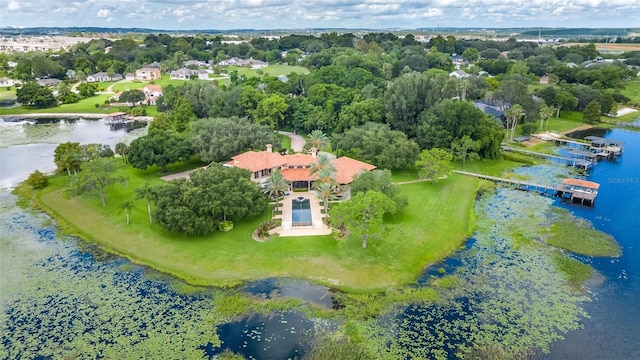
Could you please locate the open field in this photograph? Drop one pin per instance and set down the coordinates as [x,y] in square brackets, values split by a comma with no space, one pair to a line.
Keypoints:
[275,70]
[408,243]
[609,47]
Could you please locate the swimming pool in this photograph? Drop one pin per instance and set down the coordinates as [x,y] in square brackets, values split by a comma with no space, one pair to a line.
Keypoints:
[301,212]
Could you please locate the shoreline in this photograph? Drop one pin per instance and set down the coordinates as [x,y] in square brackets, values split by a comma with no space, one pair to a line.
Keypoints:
[93,116]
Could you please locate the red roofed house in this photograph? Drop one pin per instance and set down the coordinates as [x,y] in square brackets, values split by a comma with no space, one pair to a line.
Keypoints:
[296,168]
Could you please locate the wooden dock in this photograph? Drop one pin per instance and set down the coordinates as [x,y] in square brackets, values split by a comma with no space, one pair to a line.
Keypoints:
[573,190]
[579,160]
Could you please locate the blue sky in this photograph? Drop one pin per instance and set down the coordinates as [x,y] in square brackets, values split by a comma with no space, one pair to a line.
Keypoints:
[281,14]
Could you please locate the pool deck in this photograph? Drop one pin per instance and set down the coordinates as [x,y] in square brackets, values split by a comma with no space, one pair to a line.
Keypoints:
[318,227]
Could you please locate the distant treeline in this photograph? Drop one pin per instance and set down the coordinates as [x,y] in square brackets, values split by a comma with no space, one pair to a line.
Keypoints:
[580,32]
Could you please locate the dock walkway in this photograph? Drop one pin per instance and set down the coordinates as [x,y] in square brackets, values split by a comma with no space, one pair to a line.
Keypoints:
[562,191]
[572,161]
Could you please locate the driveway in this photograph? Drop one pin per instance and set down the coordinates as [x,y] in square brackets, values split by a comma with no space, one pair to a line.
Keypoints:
[297,141]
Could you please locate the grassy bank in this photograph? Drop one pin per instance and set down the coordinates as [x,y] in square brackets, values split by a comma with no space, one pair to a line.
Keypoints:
[433,226]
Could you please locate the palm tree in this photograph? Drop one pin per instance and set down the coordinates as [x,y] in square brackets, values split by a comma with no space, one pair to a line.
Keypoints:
[317,139]
[122,149]
[322,162]
[513,114]
[126,205]
[546,112]
[324,191]
[146,192]
[325,175]
[275,185]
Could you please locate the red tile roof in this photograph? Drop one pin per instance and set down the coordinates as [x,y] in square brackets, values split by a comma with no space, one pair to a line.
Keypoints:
[257,160]
[583,183]
[297,174]
[300,159]
[347,168]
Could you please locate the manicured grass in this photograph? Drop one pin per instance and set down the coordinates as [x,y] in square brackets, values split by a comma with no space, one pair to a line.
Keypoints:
[285,141]
[434,225]
[7,94]
[275,70]
[406,174]
[575,235]
[128,85]
[632,90]
[83,106]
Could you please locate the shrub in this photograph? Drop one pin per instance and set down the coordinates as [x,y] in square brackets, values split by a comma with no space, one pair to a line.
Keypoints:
[37,180]
[97,105]
[263,229]
[225,226]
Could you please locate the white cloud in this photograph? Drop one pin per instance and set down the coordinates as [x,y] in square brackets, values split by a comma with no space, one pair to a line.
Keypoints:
[103,13]
[13,5]
[225,14]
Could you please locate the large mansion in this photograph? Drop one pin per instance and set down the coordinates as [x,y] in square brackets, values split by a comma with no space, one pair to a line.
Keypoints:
[295,168]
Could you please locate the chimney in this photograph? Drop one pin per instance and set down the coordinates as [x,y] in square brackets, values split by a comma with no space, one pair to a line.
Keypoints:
[314,152]
[269,148]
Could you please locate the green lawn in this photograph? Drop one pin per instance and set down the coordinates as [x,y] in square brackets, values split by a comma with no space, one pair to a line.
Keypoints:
[434,225]
[136,84]
[275,70]
[7,94]
[285,141]
[83,106]
[632,90]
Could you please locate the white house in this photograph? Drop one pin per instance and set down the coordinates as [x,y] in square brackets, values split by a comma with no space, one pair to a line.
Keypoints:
[103,76]
[252,63]
[459,74]
[186,74]
[152,93]
[9,82]
[130,76]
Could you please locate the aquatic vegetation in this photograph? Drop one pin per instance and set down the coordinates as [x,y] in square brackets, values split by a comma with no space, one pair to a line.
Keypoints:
[578,236]
[58,302]
[508,301]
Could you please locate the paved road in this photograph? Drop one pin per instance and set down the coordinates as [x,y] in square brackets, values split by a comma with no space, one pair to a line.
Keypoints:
[297,141]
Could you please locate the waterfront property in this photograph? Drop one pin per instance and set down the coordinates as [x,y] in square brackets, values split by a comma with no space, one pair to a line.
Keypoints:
[295,168]
[574,190]
[601,147]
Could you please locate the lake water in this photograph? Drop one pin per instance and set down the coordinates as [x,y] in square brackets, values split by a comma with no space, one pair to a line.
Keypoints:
[60,297]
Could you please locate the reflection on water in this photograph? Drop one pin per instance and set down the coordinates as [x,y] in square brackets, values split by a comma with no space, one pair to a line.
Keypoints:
[25,148]
[291,288]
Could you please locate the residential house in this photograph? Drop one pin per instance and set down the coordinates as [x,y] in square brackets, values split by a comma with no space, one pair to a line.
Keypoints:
[148,73]
[49,82]
[252,63]
[194,63]
[459,74]
[9,82]
[130,76]
[152,92]
[491,110]
[295,168]
[544,79]
[103,76]
[186,74]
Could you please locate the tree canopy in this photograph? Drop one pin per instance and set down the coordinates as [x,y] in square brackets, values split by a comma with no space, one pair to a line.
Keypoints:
[97,174]
[451,120]
[363,213]
[218,139]
[377,144]
[158,148]
[197,206]
[32,94]
[434,163]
